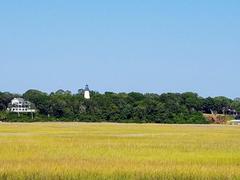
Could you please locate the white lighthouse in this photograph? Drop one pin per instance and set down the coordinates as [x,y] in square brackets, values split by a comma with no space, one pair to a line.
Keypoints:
[86,92]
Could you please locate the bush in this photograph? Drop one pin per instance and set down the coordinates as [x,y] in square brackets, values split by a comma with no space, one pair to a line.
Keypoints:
[3,116]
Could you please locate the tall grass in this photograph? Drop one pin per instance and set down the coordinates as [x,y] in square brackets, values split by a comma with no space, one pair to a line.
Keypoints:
[118,151]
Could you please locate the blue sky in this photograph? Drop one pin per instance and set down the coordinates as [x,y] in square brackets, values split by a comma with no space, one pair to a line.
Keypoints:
[129,45]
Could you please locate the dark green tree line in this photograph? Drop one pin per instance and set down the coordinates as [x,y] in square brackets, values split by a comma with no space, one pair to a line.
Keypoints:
[123,107]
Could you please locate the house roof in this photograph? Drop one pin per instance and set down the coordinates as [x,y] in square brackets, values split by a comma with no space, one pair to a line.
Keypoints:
[19,99]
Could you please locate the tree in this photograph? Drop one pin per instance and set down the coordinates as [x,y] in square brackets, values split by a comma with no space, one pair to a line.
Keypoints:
[222,104]
[192,101]
[40,100]
[5,99]
[236,104]
[124,107]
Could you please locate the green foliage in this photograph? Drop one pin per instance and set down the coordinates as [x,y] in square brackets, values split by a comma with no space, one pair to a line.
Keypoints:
[3,116]
[5,98]
[236,104]
[119,107]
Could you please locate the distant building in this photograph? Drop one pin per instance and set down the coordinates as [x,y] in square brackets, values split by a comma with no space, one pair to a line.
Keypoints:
[234,122]
[19,105]
[86,92]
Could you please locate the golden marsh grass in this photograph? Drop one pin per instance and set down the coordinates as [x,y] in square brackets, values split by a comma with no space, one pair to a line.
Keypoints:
[118,151]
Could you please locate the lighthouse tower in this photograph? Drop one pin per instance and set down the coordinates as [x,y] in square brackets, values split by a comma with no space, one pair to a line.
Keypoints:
[86,92]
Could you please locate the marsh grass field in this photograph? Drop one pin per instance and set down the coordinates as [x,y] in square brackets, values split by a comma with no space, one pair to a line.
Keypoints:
[118,151]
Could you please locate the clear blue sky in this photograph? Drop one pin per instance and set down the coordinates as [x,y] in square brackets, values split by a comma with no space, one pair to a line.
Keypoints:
[129,45]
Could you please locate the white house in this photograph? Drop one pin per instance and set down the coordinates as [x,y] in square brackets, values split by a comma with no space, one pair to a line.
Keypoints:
[19,105]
